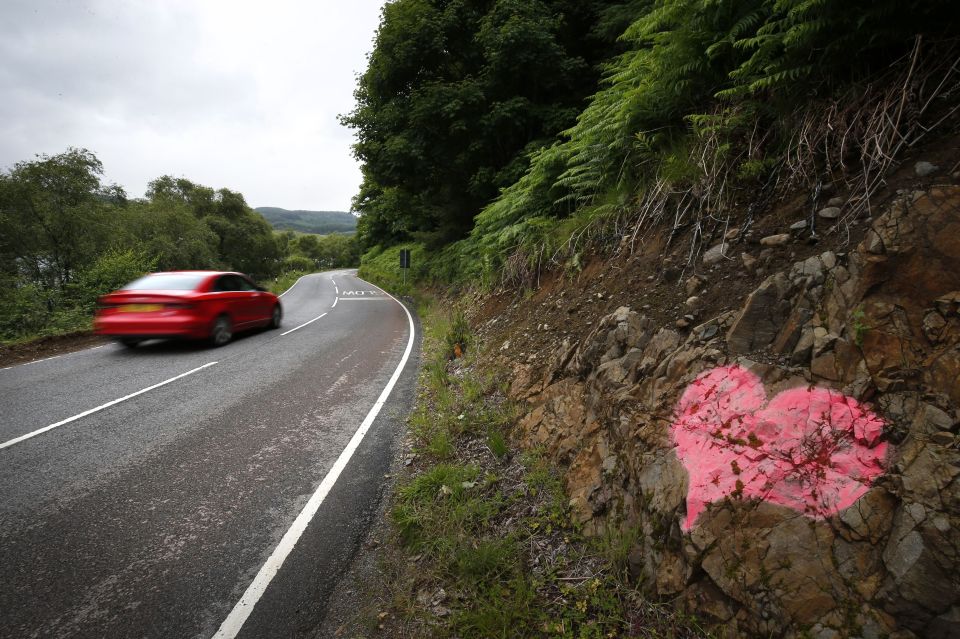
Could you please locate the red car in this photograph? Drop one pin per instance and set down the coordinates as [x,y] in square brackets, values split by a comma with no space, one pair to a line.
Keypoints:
[209,305]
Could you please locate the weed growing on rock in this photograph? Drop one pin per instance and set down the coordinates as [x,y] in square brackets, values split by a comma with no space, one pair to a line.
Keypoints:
[859,327]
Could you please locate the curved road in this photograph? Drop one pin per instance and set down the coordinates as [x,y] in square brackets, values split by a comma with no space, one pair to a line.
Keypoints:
[151,492]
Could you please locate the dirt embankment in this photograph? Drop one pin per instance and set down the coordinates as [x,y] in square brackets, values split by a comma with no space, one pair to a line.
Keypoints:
[14,354]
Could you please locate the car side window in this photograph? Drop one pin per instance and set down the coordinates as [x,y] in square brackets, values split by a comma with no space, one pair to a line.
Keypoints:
[222,284]
[233,283]
[243,284]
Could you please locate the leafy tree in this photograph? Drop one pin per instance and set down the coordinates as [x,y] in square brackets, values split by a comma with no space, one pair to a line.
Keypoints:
[298,263]
[244,240]
[326,251]
[55,215]
[108,272]
[457,93]
[170,232]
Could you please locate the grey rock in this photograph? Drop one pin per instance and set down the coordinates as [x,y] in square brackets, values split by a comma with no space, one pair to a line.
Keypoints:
[792,328]
[804,348]
[613,336]
[709,332]
[810,271]
[823,340]
[798,226]
[942,439]
[716,254]
[935,419]
[837,201]
[829,213]
[829,260]
[775,240]
[825,633]
[902,554]
[923,168]
[694,284]
[933,326]
[763,314]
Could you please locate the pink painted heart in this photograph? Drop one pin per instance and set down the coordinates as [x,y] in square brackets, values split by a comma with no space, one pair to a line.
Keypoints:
[810,449]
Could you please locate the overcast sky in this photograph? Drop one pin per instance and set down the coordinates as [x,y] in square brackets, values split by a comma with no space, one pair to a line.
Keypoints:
[242,94]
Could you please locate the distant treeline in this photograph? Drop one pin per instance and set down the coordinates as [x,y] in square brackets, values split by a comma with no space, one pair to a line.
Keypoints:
[66,238]
[318,222]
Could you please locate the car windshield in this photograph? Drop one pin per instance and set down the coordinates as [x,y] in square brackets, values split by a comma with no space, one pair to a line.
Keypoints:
[166,282]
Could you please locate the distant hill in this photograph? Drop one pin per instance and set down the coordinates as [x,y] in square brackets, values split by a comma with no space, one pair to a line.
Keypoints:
[320,222]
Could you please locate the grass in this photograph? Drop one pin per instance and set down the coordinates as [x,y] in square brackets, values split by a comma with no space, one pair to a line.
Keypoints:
[497,443]
[284,281]
[61,324]
[859,326]
[382,267]
[484,546]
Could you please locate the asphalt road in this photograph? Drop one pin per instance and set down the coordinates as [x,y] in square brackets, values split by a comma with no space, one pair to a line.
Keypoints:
[152,516]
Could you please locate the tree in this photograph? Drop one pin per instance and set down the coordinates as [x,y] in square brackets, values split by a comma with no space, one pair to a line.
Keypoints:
[244,240]
[456,95]
[55,215]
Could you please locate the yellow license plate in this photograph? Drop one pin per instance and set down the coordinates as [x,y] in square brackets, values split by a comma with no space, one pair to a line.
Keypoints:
[141,308]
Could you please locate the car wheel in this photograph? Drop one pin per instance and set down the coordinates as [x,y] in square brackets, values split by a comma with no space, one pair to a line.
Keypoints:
[130,342]
[276,317]
[222,331]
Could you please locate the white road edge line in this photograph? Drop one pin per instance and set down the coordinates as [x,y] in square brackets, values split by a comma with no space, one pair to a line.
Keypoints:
[335,300]
[241,611]
[37,361]
[302,325]
[292,285]
[40,431]
[47,359]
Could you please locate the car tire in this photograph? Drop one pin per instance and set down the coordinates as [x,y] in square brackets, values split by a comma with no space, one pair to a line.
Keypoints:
[130,342]
[276,317]
[222,331]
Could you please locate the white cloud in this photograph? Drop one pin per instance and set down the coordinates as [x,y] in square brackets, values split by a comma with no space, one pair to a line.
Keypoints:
[233,94]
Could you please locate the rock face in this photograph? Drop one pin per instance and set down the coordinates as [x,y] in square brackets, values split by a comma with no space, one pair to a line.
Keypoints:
[824,499]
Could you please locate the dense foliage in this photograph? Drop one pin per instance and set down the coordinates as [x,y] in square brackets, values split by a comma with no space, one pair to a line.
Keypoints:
[66,237]
[688,95]
[317,222]
[456,95]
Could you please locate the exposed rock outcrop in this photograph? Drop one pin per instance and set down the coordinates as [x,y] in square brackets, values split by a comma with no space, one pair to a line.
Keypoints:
[877,333]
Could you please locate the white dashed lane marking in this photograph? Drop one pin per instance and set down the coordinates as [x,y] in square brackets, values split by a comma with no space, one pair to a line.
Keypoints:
[40,431]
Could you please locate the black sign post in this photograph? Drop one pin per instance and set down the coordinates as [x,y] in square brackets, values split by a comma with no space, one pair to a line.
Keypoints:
[404,263]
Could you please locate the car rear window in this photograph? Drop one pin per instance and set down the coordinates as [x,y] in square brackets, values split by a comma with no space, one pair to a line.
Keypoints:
[166,282]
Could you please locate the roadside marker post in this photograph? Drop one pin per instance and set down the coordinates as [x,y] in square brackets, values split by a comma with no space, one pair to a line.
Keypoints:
[404,263]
